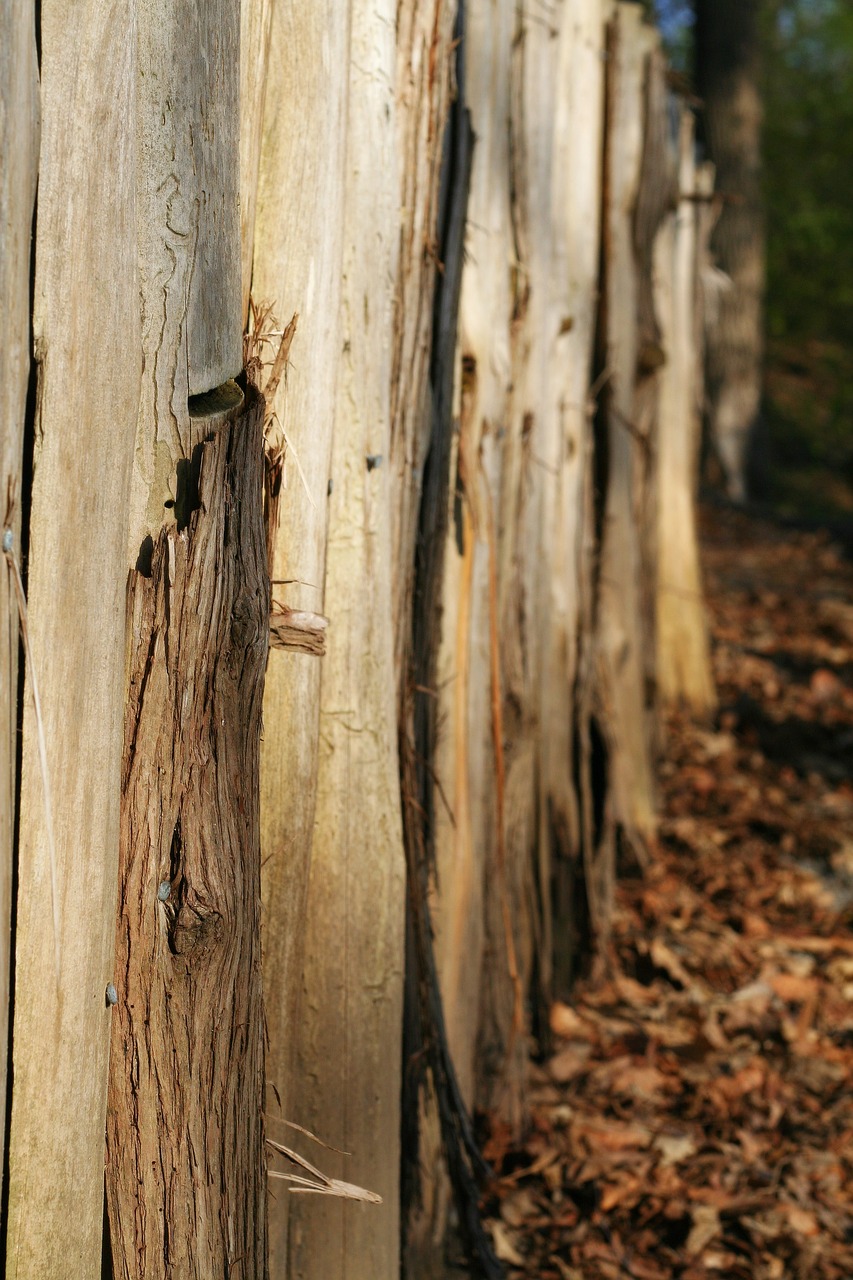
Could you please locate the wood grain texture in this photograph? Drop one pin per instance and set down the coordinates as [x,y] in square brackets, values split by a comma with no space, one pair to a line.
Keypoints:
[348,1080]
[297,266]
[187,1192]
[87,344]
[19,142]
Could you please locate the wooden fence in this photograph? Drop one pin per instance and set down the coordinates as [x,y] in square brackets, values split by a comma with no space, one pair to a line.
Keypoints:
[317,752]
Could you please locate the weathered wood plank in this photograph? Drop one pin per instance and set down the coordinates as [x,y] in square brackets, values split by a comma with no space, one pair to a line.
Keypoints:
[87,344]
[297,267]
[348,1082]
[19,141]
[188,119]
[188,123]
[451,734]
[464,821]
[186,1176]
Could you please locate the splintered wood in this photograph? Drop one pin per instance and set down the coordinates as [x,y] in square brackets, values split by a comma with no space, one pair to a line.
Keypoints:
[187,1196]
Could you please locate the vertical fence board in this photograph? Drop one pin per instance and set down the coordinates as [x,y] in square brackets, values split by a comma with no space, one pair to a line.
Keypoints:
[621,693]
[86,327]
[463,762]
[347,1085]
[186,1070]
[465,758]
[564,702]
[297,267]
[683,661]
[19,140]
[186,1184]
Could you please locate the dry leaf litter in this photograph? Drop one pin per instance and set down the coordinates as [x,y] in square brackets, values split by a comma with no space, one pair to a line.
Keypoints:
[695,1117]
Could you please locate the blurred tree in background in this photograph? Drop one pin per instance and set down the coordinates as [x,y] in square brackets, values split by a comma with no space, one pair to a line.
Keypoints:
[809,177]
[728,57]
[803,455]
[808,148]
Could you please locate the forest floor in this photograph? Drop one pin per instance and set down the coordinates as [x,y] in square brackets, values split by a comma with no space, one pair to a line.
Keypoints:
[695,1118]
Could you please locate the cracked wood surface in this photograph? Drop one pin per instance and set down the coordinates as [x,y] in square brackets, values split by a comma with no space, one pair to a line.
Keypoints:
[187,1194]
[188,226]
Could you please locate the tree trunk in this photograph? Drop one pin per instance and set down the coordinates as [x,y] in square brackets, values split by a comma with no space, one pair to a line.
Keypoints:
[728,56]
[87,346]
[19,142]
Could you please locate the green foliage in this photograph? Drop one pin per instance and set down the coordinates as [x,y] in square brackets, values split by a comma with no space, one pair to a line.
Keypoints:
[805,453]
[808,139]
[808,175]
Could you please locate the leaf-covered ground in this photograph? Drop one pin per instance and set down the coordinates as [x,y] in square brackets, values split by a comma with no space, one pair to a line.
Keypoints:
[696,1117]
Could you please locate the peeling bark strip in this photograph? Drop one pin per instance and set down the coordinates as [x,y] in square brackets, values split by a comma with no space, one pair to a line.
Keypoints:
[303,632]
[186,1193]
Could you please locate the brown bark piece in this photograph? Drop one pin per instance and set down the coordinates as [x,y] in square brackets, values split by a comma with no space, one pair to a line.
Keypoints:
[187,1196]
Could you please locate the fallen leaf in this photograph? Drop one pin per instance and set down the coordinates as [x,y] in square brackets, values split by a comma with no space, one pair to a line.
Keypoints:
[801,1220]
[569,1062]
[565,1022]
[706,1227]
[505,1242]
[674,1147]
